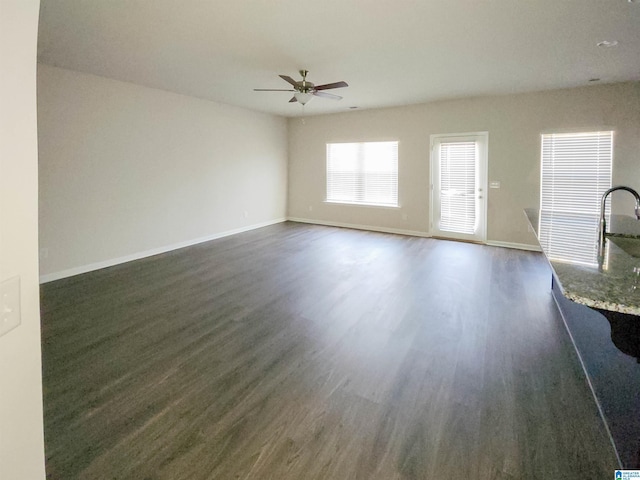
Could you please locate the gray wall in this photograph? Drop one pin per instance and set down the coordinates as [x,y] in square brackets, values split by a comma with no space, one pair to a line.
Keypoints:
[514,123]
[127,171]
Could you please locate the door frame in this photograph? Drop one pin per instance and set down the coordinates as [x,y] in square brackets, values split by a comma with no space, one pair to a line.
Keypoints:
[482,138]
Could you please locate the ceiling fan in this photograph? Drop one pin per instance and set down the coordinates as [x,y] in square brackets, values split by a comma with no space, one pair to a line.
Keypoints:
[304,90]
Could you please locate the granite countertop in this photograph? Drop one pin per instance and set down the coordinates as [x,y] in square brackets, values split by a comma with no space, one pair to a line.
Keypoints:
[609,283]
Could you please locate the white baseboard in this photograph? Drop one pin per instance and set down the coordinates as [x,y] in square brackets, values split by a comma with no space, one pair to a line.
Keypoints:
[413,233]
[517,246]
[50,277]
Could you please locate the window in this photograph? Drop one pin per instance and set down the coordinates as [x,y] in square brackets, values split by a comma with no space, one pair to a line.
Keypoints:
[576,171]
[363,173]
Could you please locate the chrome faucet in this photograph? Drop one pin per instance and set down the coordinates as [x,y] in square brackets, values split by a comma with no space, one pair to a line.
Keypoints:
[602,232]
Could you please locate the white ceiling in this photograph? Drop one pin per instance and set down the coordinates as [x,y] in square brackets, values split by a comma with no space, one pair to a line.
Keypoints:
[391,52]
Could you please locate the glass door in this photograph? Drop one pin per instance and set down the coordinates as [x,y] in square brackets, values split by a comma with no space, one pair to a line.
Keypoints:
[458,186]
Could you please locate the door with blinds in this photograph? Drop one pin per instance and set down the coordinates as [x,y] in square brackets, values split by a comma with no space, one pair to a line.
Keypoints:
[458,186]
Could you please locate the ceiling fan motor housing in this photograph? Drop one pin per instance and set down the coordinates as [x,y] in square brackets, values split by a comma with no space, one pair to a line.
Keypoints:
[305,87]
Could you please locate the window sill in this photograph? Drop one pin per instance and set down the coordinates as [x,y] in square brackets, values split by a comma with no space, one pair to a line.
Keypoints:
[375,205]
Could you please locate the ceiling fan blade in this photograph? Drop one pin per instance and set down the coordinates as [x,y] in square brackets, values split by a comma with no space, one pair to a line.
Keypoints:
[327,95]
[327,86]
[287,78]
[272,90]
[293,99]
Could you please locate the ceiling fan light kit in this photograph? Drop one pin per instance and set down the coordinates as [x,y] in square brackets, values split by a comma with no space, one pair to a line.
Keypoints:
[302,97]
[305,91]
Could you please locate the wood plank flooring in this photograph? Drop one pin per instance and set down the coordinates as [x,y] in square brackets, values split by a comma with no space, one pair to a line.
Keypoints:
[307,352]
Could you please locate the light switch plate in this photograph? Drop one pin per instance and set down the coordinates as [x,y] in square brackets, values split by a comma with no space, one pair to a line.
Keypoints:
[494,184]
[9,305]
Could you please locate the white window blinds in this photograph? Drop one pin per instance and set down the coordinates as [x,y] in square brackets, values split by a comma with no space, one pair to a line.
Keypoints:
[363,173]
[457,186]
[575,172]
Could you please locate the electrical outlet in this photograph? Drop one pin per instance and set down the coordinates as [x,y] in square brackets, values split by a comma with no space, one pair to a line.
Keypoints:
[44,253]
[245,213]
[310,208]
[405,216]
[9,304]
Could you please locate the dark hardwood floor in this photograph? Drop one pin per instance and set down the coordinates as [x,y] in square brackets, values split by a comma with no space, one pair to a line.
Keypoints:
[308,352]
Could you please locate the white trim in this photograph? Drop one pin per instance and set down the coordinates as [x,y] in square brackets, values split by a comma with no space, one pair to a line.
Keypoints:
[517,246]
[482,139]
[586,128]
[351,204]
[50,277]
[458,135]
[412,233]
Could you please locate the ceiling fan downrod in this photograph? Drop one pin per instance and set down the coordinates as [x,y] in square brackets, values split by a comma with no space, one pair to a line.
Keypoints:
[304,80]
